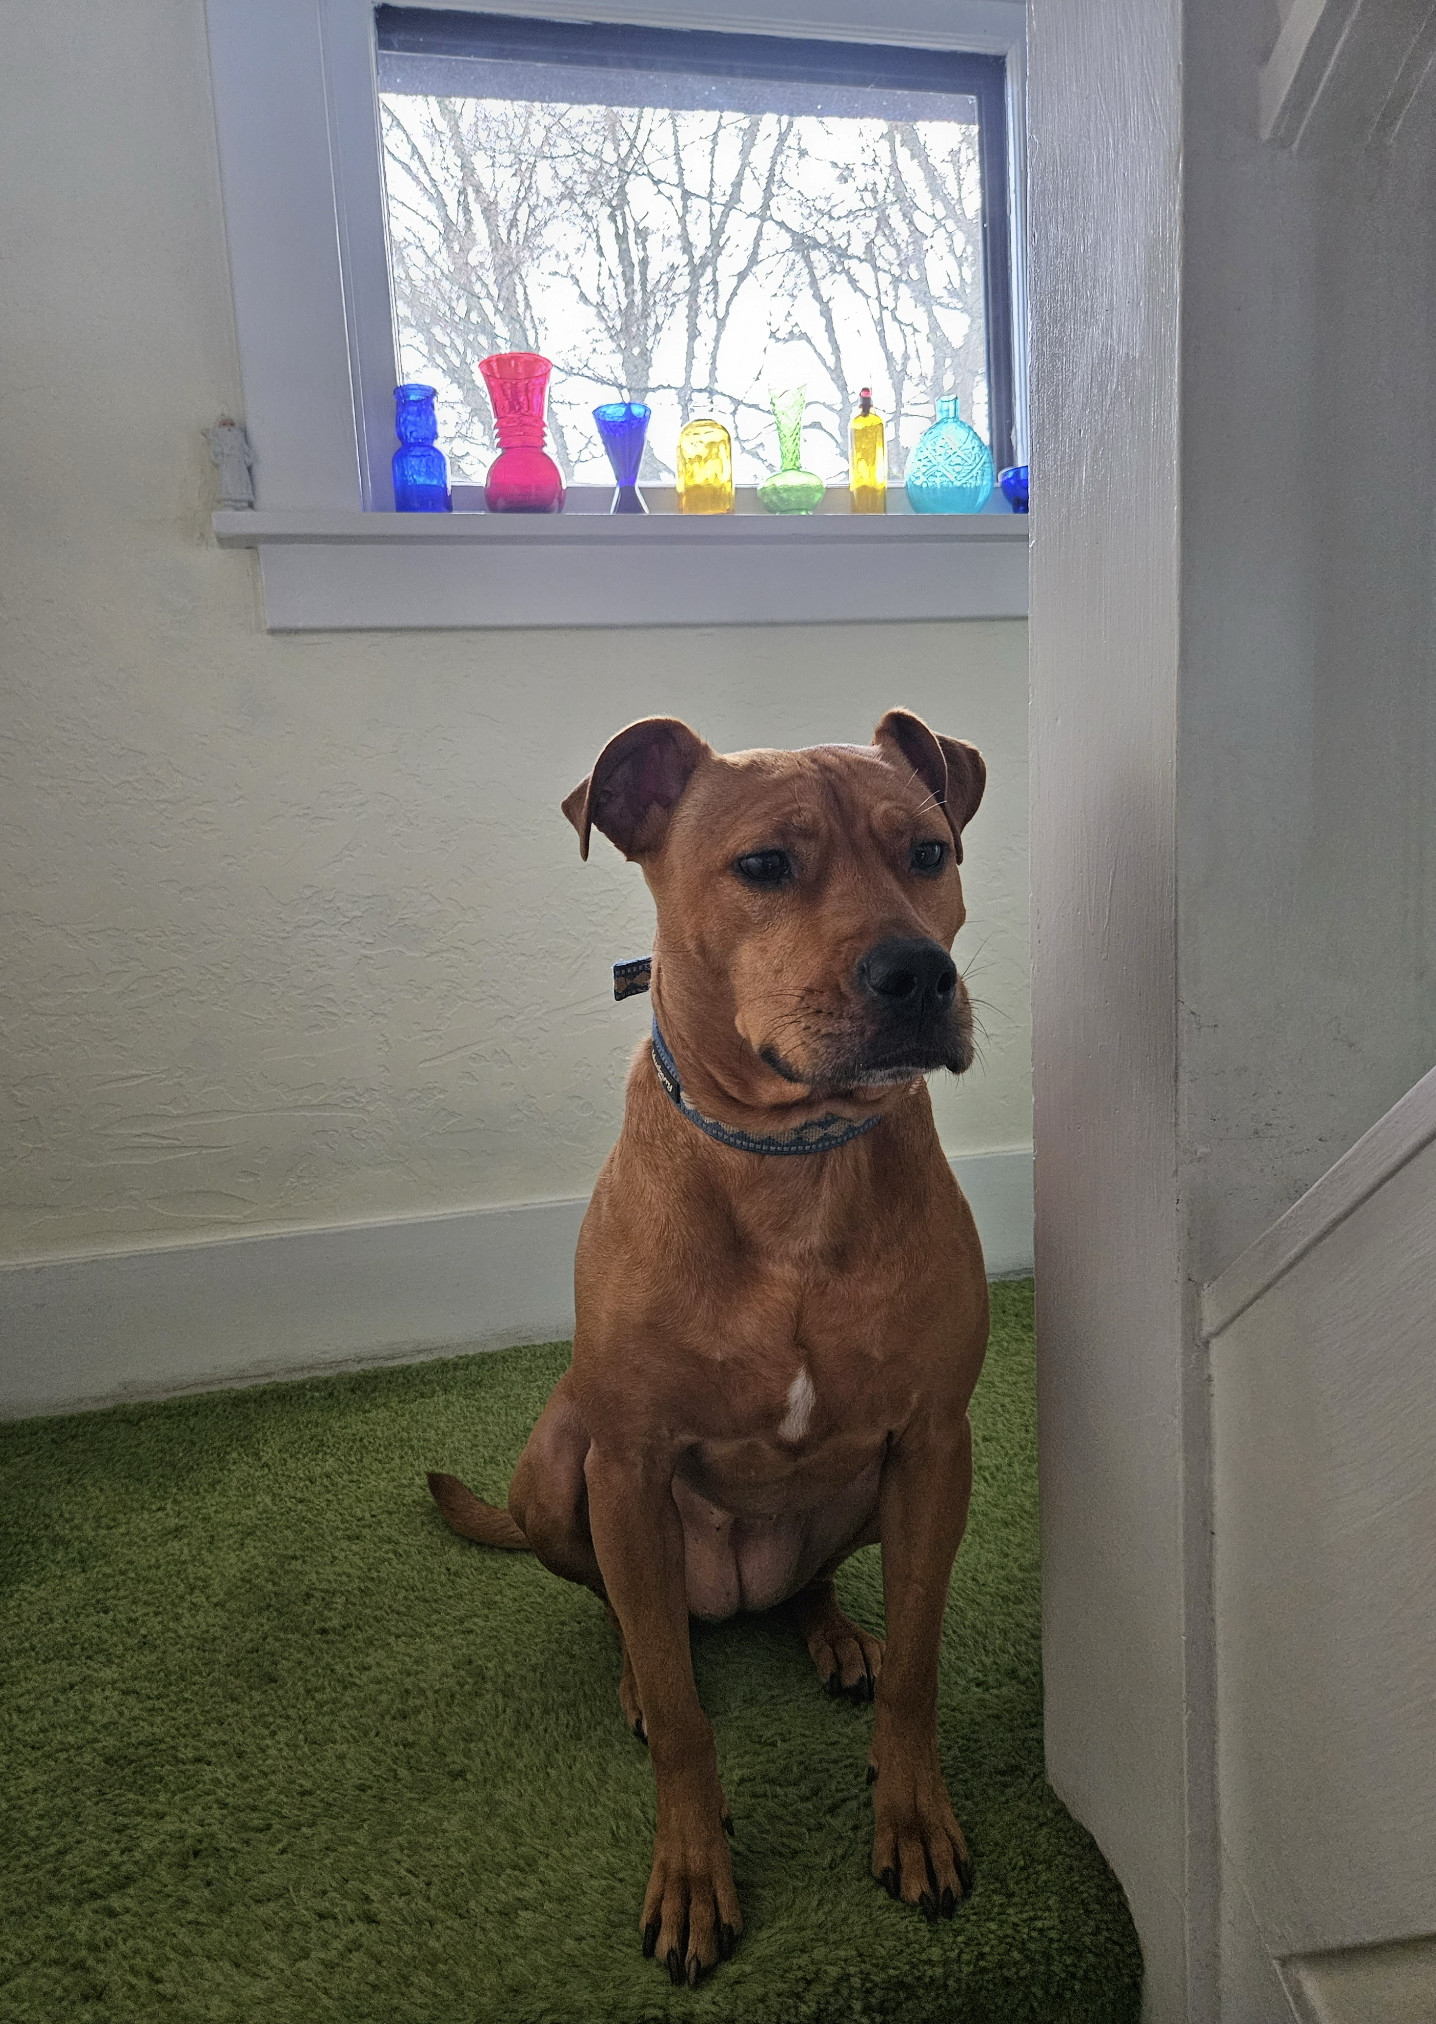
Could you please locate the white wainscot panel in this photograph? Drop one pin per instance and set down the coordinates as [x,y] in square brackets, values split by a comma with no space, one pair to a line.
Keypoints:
[1324,1374]
[101,1327]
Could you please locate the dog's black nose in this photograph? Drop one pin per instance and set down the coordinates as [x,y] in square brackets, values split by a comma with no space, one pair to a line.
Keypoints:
[912,976]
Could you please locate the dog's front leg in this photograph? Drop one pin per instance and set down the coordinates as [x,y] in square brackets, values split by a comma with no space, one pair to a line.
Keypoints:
[918,1849]
[690,1912]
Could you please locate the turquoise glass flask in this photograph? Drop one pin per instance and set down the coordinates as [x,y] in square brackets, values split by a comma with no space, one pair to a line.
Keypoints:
[950,471]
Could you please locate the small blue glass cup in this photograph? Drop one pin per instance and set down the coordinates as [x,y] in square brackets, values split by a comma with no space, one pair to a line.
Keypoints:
[1013,485]
[421,474]
[622,425]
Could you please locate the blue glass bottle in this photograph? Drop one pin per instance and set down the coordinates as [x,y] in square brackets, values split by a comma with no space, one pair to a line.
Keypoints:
[421,476]
[950,471]
[623,426]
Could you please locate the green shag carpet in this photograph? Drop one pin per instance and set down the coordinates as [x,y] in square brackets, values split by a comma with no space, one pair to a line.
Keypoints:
[277,1748]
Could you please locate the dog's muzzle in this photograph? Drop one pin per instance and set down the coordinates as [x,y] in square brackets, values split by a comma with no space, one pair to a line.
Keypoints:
[914,980]
[910,986]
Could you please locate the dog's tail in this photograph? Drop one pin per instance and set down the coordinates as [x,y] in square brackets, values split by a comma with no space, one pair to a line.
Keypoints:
[472,1518]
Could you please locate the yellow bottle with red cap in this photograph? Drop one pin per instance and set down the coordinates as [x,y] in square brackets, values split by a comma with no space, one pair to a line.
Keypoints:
[867,458]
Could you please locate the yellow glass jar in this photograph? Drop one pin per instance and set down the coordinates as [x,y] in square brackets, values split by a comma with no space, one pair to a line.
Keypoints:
[867,458]
[705,469]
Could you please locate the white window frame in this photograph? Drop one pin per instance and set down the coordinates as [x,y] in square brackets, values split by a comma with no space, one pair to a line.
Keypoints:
[296,111]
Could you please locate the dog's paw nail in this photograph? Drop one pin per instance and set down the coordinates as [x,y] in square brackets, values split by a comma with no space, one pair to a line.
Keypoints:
[650,1939]
[834,1683]
[965,1875]
[725,1942]
[728,1828]
[889,1882]
[639,1731]
[695,1969]
[872,1773]
[949,1901]
[675,1967]
[927,1905]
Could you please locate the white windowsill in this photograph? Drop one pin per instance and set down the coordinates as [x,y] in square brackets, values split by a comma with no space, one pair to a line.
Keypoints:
[338,571]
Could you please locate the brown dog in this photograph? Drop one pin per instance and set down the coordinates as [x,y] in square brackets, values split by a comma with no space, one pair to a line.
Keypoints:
[781,1303]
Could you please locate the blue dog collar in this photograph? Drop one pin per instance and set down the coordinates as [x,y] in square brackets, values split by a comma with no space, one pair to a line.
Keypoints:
[818,1135]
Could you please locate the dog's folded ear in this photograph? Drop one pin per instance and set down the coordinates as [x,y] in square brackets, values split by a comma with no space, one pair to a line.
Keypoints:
[635,784]
[953,769]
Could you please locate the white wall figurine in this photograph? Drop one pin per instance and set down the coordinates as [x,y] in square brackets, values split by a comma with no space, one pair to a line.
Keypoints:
[229,449]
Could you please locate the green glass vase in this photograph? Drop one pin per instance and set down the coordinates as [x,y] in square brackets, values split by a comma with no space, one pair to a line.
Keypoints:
[792,489]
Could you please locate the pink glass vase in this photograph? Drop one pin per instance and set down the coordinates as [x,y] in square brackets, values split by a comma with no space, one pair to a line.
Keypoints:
[523,478]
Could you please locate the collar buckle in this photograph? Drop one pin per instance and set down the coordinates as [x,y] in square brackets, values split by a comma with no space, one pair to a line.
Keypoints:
[632,977]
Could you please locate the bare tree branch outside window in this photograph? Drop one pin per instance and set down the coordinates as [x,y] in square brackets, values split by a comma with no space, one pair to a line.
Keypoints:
[692,259]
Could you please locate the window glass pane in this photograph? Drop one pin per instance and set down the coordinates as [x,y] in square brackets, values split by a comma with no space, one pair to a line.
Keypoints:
[689,240]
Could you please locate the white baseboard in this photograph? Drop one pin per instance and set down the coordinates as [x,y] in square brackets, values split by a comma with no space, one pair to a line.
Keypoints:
[98,1329]
[999,1187]
[1390,1984]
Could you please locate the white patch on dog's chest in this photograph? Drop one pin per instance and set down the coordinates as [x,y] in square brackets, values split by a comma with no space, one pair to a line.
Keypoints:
[801,1399]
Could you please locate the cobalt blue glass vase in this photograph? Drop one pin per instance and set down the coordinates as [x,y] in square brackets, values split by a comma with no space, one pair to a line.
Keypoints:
[623,426]
[421,476]
[950,471]
[1013,485]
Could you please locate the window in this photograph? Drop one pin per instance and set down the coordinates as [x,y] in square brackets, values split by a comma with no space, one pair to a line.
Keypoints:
[691,219]
[334,236]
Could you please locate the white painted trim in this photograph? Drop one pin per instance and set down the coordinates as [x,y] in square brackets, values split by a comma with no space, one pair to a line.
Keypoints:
[990,27]
[1017,243]
[1345,72]
[351,91]
[361,571]
[296,114]
[1293,75]
[246,528]
[1392,1984]
[1128,1706]
[998,1187]
[1406,1129]
[1252,1988]
[96,1330]
[277,179]
[100,1327]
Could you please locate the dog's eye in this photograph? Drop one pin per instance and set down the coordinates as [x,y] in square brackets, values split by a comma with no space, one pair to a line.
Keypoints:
[928,856]
[765,867]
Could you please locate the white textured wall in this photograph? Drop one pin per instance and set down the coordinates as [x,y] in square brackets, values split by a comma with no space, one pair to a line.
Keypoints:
[293,929]
[1308,826]
[1105,121]
[1234,846]
[1307,965]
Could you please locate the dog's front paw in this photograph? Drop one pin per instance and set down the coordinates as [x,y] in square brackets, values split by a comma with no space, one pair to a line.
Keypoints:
[690,1914]
[849,1659]
[919,1853]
